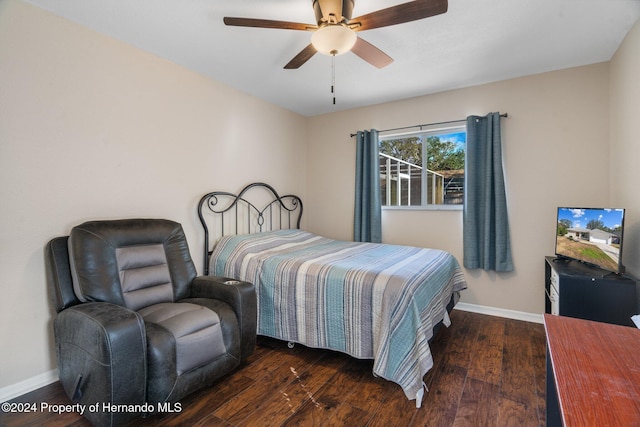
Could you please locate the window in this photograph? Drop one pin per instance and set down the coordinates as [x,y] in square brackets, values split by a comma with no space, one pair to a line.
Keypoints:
[424,168]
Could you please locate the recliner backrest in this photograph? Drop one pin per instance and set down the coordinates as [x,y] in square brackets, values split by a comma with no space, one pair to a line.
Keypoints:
[133,263]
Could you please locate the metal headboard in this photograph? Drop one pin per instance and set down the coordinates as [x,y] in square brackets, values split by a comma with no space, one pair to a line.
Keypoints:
[222,213]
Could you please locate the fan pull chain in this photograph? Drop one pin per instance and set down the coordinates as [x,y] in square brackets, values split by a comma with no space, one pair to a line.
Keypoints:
[333,77]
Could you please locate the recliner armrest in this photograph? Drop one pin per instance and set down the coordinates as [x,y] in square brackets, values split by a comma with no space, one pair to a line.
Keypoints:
[58,272]
[101,351]
[241,296]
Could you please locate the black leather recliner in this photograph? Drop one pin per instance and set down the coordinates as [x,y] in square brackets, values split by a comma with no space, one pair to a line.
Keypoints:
[134,325]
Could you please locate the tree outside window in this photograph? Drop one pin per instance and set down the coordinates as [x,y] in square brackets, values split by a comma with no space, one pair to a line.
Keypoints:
[423,168]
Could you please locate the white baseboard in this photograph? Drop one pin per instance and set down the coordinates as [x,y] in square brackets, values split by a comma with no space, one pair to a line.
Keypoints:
[12,391]
[500,312]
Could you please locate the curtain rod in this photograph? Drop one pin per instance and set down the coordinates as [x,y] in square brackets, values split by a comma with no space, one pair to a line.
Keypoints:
[429,124]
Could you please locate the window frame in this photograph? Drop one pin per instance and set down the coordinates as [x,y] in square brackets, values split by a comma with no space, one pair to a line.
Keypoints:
[424,134]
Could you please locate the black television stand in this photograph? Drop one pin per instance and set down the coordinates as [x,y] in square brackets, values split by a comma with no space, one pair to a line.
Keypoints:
[575,289]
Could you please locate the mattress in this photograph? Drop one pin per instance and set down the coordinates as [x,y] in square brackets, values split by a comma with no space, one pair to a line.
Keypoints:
[369,300]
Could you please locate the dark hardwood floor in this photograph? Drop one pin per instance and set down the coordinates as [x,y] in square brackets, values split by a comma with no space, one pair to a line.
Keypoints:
[488,371]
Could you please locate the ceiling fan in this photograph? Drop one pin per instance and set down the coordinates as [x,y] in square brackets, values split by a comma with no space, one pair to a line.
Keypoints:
[335,31]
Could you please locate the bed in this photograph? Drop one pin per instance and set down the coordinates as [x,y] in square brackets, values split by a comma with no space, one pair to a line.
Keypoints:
[368,300]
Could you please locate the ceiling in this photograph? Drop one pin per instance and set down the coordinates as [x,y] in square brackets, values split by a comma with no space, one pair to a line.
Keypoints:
[475,42]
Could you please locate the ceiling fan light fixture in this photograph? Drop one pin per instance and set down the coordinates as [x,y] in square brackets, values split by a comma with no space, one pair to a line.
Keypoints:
[333,39]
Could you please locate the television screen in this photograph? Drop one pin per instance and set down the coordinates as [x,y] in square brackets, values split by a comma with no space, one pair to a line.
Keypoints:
[592,236]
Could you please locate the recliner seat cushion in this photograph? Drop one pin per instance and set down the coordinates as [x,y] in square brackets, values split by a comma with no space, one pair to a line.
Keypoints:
[194,330]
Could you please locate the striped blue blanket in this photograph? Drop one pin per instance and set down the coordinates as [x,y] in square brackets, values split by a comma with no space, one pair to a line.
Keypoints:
[371,301]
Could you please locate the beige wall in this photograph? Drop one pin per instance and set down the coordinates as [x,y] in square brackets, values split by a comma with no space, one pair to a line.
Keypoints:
[93,128]
[625,143]
[555,146]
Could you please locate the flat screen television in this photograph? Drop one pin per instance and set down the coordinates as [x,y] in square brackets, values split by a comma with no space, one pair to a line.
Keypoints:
[592,236]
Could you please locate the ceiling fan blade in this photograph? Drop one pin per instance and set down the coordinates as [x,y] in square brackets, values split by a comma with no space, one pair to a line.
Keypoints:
[371,54]
[405,12]
[301,58]
[267,23]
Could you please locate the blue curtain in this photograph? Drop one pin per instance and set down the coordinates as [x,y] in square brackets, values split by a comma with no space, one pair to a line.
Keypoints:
[367,225]
[486,225]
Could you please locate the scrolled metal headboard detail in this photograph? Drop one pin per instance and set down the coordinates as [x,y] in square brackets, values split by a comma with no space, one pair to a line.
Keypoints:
[222,213]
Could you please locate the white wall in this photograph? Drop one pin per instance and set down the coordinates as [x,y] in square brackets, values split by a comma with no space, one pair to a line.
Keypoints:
[625,145]
[556,151]
[93,128]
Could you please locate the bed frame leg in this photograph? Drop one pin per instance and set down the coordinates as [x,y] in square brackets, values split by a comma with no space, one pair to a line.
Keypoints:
[291,344]
[420,395]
